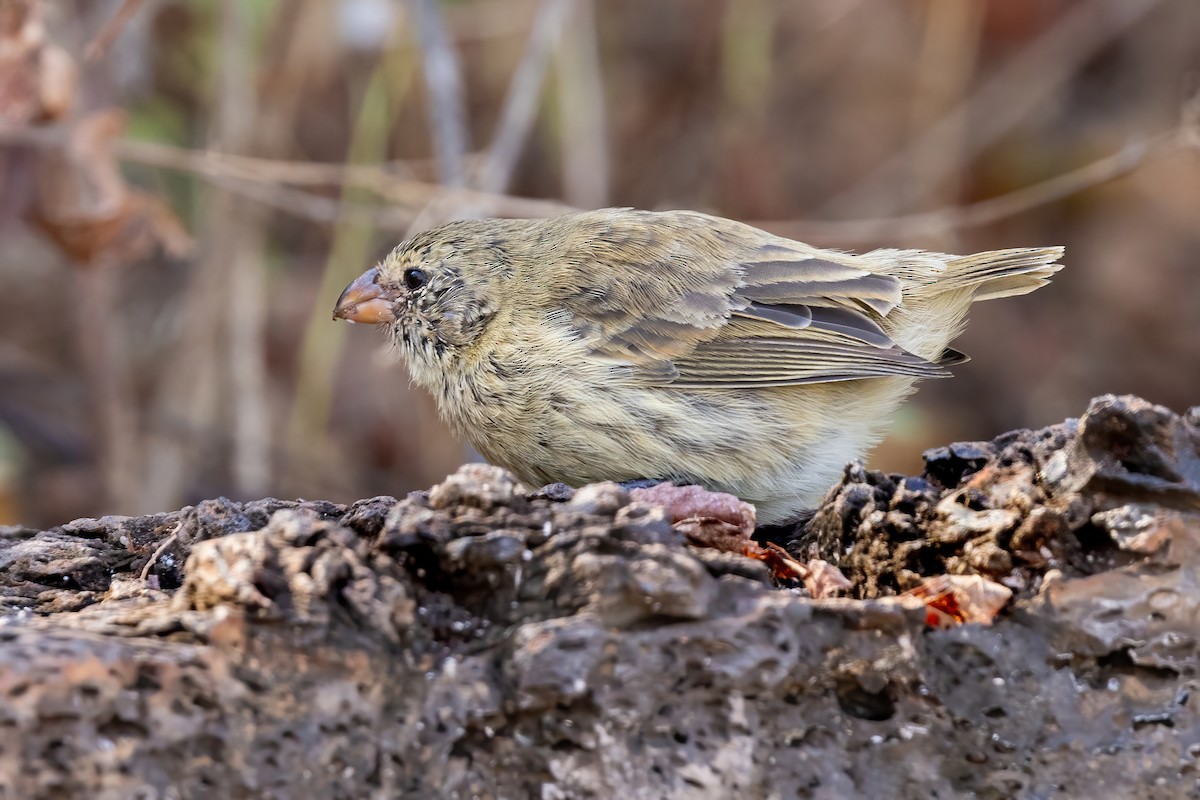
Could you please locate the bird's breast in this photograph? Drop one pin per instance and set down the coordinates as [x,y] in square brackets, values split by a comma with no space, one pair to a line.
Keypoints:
[515,385]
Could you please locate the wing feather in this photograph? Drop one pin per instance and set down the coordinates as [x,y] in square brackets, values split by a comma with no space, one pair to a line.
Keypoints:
[730,306]
[804,277]
[732,363]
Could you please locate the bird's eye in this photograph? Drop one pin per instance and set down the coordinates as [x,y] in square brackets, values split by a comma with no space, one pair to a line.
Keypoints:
[415,278]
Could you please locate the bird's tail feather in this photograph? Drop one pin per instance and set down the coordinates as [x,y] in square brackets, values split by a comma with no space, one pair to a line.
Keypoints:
[1002,273]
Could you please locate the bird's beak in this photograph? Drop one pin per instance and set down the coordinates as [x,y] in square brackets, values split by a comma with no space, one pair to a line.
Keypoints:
[365,300]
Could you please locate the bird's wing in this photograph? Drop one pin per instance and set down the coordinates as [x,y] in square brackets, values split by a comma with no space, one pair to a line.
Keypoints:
[749,312]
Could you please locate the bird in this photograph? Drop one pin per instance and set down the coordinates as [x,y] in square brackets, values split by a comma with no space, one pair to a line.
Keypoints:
[630,345]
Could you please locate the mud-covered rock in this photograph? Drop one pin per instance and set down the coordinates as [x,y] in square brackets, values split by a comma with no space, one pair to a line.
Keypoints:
[484,640]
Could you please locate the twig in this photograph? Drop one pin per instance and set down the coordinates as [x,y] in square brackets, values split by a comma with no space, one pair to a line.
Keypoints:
[245,345]
[516,118]
[306,205]
[100,44]
[213,163]
[1122,163]
[520,105]
[478,20]
[218,169]
[321,347]
[299,173]
[238,172]
[261,179]
[1008,96]
[224,286]
[943,72]
[162,548]
[581,100]
[105,366]
[447,108]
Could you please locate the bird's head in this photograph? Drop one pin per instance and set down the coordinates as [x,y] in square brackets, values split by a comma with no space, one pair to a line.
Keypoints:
[435,293]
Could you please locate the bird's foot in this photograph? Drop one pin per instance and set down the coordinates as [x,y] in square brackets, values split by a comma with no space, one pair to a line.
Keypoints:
[642,483]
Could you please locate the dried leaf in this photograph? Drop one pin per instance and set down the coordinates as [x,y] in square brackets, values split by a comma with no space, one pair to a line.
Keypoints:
[724,522]
[824,579]
[783,566]
[58,83]
[708,519]
[959,599]
[820,578]
[698,507]
[714,533]
[85,207]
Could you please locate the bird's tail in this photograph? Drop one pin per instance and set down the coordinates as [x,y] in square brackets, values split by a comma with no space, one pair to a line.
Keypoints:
[940,288]
[1001,273]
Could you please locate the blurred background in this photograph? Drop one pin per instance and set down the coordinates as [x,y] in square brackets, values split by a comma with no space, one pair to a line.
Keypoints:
[187,186]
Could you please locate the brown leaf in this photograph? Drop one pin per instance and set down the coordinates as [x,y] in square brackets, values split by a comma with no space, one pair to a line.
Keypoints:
[824,579]
[714,533]
[85,207]
[783,566]
[959,599]
[699,507]
[724,522]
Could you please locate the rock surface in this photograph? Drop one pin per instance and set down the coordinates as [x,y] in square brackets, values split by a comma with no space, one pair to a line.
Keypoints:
[479,640]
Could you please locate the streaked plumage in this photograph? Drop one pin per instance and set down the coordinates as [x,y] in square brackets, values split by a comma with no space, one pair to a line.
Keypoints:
[621,344]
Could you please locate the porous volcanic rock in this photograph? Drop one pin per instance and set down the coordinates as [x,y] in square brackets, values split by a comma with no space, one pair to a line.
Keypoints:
[482,640]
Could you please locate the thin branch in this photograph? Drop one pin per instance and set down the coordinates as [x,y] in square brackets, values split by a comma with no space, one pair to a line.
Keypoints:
[520,105]
[1118,165]
[99,46]
[1013,92]
[220,169]
[447,108]
[262,179]
[476,21]
[245,342]
[299,173]
[583,140]
[158,551]
[212,163]
[944,69]
[106,369]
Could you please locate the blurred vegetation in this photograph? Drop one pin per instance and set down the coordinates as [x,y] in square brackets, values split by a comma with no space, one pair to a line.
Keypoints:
[188,185]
